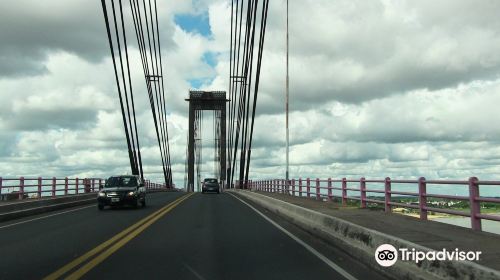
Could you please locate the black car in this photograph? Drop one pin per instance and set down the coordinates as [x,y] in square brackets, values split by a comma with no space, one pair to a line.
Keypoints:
[122,190]
[210,185]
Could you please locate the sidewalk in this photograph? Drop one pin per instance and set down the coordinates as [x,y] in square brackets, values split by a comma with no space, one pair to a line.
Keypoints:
[434,235]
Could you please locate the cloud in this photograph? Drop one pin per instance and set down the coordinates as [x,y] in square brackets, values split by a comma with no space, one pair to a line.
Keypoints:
[378,88]
[355,51]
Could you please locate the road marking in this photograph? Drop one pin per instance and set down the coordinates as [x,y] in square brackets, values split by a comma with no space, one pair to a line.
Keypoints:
[322,257]
[97,260]
[194,272]
[133,230]
[48,216]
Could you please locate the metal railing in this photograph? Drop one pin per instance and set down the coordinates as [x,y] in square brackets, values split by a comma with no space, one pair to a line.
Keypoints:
[26,188]
[316,188]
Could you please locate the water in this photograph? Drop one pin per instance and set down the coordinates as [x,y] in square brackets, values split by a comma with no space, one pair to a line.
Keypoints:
[488,226]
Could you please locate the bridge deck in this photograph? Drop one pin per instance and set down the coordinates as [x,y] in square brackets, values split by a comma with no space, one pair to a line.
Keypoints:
[431,234]
[202,237]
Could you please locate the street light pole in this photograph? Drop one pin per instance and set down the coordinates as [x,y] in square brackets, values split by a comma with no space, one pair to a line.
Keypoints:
[286,102]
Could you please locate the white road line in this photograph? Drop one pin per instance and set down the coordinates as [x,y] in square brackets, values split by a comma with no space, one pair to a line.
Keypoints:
[40,218]
[194,272]
[305,245]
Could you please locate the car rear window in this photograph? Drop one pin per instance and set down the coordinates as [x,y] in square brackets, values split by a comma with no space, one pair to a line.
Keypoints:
[210,180]
[114,182]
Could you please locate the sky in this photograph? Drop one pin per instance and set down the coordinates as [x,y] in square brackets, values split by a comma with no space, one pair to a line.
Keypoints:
[381,88]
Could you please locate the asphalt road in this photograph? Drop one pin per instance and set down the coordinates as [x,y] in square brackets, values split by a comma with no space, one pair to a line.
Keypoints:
[177,236]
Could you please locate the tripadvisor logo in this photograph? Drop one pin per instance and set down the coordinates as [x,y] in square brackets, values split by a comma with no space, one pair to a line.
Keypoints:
[387,255]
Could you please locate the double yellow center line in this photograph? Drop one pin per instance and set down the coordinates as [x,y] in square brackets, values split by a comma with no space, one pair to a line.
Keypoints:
[110,246]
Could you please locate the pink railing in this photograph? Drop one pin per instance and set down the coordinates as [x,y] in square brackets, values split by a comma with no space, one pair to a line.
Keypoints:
[318,190]
[23,188]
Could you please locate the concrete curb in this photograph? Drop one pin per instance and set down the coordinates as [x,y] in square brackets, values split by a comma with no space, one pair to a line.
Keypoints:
[362,242]
[29,207]
[13,211]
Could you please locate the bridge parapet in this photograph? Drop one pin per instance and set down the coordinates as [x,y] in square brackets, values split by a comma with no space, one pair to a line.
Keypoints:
[29,187]
[381,193]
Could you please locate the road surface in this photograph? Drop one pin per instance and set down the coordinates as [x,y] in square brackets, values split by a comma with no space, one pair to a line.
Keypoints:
[177,236]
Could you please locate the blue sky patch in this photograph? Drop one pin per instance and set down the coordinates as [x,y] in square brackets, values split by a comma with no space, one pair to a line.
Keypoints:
[198,83]
[194,23]
[210,58]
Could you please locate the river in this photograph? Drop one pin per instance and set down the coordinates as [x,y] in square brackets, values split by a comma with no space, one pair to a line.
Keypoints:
[488,226]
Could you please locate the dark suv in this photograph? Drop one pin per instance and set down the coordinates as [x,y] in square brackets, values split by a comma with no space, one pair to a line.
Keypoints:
[210,185]
[122,190]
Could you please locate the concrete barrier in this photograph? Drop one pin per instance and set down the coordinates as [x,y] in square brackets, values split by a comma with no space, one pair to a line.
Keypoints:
[23,208]
[28,207]
[361,243]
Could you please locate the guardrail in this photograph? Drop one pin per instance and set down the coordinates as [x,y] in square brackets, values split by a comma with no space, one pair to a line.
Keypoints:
[25,188]
[305,187]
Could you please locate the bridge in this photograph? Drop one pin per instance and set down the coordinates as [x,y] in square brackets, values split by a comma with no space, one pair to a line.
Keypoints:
[261,226]
[273,230]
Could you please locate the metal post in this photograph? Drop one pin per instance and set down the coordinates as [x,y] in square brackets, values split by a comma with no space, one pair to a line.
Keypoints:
[344,191]
[387,192]
[329,189]
[76,185]
[293,187]
[362,189]
[1,186]
[54,182]
[65,186]
[422,198]
[21,188]
[475,207]
[318,195]
[300,186]
[39,187]
[286,102]
[308,187]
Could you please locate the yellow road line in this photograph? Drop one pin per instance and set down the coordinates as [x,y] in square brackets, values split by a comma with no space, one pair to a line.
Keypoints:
[97,260]
[58,273]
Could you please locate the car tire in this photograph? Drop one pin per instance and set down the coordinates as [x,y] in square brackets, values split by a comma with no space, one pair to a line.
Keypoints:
[100,207]
[135,204]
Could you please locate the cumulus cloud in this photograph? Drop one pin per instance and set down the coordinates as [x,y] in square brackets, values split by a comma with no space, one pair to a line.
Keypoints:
[378,88]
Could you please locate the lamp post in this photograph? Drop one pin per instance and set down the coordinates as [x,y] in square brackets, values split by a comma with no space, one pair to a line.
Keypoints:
[286,103]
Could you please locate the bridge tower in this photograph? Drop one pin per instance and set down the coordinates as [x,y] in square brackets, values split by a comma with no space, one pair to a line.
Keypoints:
[206,101]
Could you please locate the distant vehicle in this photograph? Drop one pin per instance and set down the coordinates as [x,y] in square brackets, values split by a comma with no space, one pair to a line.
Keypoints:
[210,185]
[122,190]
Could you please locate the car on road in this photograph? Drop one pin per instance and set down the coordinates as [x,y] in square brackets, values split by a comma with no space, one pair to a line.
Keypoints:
[122,190]
[210,185]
